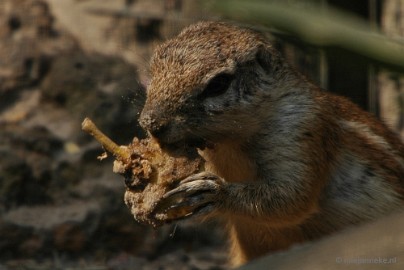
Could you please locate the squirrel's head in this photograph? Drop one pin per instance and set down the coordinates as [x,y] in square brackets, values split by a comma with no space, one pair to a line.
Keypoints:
[206,84]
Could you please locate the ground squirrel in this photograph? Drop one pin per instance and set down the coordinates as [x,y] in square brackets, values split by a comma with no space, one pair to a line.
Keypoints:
[286,161]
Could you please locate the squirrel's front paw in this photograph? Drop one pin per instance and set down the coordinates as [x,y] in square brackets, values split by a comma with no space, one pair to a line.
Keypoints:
[199,193]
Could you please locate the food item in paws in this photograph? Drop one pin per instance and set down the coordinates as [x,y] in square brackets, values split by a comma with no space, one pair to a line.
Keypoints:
[150,174]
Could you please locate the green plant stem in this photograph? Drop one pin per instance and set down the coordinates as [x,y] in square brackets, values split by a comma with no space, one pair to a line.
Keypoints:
[319,27]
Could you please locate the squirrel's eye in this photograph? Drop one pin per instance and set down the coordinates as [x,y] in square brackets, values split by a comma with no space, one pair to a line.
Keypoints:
[217,86]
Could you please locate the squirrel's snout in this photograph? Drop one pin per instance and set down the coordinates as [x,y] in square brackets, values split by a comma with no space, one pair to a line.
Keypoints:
[157,129]
[145,120]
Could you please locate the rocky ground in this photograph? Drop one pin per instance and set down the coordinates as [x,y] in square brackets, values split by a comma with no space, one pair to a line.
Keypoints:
[61,208]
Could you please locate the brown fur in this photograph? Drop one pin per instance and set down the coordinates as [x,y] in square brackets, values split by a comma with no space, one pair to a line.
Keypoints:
[290,162]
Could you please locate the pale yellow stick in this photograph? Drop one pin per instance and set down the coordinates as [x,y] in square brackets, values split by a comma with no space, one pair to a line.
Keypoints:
[119,152]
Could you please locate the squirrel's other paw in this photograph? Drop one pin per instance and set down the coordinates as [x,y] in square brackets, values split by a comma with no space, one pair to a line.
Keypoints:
[200,192]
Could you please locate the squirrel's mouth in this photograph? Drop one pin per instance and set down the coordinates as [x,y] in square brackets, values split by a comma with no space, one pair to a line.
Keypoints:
[189,143]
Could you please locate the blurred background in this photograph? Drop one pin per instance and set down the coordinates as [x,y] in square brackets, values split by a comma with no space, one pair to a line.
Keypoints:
[63,60]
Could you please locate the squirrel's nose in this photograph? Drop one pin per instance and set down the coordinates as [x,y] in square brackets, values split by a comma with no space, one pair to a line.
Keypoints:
[157,129]
[145,120]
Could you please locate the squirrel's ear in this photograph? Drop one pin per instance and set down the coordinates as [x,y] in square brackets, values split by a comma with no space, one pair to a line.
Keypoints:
[264,57]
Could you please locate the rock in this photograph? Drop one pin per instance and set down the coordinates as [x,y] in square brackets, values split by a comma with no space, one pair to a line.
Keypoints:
[368,246]
[26,165]
[58,203]
[70,237]
[15,233]
[47,217]
[91,85]
[18,186]
[28,39]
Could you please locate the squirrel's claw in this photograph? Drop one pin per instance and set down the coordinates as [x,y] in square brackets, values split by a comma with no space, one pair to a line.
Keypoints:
[197,203]
[197,183]
[198,192]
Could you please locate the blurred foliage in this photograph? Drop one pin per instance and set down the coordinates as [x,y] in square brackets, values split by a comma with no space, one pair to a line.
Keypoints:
[316,25]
